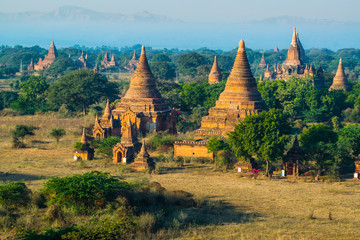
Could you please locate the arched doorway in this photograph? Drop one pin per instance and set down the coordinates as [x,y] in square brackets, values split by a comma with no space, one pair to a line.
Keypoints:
[119,157]
[98,136]
[290,169]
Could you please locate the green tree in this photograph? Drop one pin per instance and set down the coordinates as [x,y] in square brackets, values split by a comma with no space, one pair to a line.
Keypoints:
[192,95]
[214,145]
[32,95]
[80,89]
[106,145]
[163,70]
[319,144]
[60,67]
[160,57]
[188,63]
[14,195]
[263,135]
[57,133]
[20,132]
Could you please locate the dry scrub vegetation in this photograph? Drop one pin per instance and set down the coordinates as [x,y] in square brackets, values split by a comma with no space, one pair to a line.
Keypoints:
[237,208]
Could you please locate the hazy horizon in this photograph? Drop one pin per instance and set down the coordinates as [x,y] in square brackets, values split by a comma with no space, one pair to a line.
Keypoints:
[183,25]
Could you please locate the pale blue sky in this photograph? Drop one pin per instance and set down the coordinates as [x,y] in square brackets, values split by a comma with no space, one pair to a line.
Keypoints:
[206,10]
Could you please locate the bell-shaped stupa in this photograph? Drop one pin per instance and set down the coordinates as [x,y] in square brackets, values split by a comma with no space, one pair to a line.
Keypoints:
[215,75]
[339,81]
[239,99]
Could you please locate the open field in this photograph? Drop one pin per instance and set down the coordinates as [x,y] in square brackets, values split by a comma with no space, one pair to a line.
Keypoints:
[247,209]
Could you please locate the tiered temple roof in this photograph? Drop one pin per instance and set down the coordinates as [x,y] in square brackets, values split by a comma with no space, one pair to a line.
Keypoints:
[215,75]
[142,94]
[49,58]
[294,57]
[240,98]
[340,81]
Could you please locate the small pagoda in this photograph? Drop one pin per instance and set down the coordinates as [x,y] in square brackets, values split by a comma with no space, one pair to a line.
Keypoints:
[262,63]
[215,75]
[292,159]
[339,81]
[86,152]
[143,160]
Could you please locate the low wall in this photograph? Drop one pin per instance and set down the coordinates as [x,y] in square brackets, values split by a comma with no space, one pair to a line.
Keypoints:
[192,149]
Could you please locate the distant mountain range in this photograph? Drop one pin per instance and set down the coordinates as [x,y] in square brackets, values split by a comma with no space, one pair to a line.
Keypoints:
[82,15]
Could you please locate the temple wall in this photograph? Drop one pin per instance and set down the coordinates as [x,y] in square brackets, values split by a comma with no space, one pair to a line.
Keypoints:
[192,149]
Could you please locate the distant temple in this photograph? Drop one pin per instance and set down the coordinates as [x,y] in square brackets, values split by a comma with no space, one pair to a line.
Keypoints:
[133,63]
[293,159]
[48,60]
[276,49]
[262,63]
[83,59]
[340,81]
[294,65]
[142,107]
[106,63]
[239,99]
[31,66]
[215,75]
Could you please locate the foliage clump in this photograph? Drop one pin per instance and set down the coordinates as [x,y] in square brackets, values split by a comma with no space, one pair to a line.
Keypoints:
[13,195]
[84,192]
[20,132]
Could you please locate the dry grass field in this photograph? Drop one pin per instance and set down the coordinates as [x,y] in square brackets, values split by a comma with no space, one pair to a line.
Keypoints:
[246,209]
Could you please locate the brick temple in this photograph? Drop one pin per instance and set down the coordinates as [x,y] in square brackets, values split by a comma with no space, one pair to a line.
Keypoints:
[239,99]
[142,104]
[47,61]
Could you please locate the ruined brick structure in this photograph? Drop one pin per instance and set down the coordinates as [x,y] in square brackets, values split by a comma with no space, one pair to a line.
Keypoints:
[215,75]
[339,81]
[293,159]
[239,99]
[48,60]
[142,105]
[143,161]
[133,63]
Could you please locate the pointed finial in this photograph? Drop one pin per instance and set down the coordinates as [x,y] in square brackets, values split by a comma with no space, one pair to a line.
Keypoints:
[242,45]
[142,50]
[294,39]
[83,137]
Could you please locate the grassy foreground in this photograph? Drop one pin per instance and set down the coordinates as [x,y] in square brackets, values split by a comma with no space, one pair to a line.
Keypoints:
[246,209]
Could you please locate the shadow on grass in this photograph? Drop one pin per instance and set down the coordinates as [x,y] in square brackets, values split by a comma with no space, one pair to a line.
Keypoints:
[178,209]
[19,177]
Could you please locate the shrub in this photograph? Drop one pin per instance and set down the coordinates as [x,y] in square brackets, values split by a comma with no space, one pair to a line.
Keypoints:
[14,195]
[106,145]
[106,229]
[78,146]
[84,192]
[224,159]
[20,132]
[57,133]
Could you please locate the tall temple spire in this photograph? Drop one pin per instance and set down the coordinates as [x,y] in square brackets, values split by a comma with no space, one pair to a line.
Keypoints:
[215,75]
[127,135]
[339,81]
[134,56]
[294,39]
[107,112]
[294,53]
[142,83]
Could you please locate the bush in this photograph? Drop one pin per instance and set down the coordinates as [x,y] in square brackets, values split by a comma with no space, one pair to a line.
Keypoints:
[105,146]
[106,229]
[224,159]
[57,133]
[13,195]
[20,132]
[84,192]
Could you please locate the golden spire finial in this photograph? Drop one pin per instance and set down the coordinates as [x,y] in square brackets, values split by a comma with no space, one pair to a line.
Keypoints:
[242,45]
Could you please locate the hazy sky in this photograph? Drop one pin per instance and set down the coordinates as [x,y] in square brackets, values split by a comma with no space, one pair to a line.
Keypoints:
[205,10]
